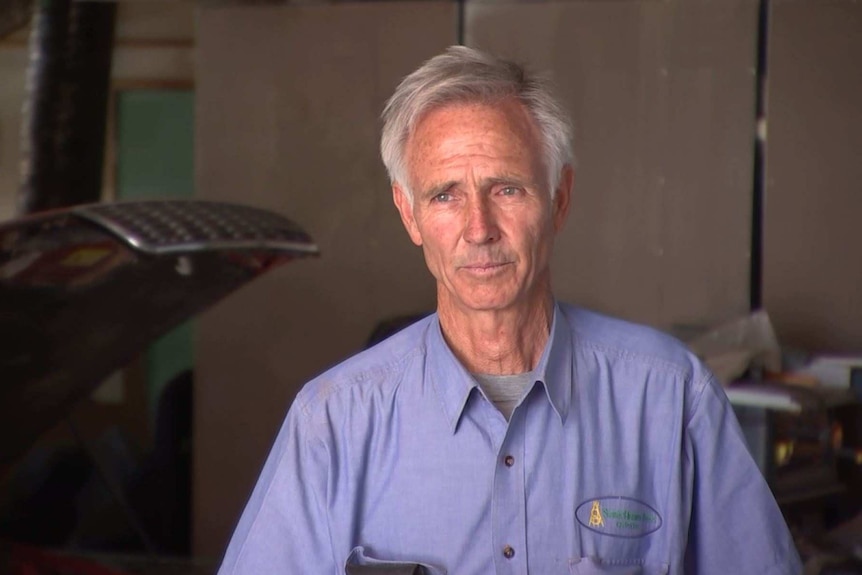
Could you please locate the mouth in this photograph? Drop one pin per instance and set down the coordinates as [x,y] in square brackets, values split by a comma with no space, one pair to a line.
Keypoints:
[485,268]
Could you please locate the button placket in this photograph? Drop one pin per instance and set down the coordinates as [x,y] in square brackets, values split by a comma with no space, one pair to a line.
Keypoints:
[509,501]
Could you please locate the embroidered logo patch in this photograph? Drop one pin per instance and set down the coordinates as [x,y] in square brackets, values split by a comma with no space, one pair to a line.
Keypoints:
[618,516]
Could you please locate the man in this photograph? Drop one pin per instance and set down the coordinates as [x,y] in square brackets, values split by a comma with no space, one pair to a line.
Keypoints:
[508,432]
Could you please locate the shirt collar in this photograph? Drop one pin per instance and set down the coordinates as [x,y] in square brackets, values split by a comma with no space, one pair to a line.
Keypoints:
[556,366]
[449,378]
[454,384]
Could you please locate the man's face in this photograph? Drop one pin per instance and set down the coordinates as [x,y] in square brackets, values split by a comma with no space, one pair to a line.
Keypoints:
[481,208]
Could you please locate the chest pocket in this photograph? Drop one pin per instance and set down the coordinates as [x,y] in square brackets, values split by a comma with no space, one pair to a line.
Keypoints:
[360,563]
[596,566]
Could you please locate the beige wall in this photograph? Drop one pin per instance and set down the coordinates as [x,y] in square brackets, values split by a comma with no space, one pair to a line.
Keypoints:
[154,41]
[812,264]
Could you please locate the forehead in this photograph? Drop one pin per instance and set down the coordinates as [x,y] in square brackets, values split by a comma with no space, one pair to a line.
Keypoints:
[500,130]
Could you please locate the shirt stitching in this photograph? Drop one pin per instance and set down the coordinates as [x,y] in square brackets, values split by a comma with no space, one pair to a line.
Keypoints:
[627,355]
[327,386]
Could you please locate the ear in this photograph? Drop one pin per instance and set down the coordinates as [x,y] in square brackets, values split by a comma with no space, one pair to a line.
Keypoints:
[563,196]
[405,208]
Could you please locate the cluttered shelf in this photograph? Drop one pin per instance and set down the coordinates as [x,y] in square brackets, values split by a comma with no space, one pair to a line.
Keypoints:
[801,415]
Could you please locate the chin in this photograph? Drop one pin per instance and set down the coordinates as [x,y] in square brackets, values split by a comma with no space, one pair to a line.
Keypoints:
[473,297]
[487,303]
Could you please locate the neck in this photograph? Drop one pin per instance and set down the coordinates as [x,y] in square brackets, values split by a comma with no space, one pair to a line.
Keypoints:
[498,342]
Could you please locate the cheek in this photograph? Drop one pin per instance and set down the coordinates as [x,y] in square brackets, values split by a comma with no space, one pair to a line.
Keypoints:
[438,234]
[528,233]
[538,242]
[434,262]
[439,249]
[435,255]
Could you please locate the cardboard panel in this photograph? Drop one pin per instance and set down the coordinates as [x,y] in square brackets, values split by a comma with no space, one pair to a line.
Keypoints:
[13,62]
[287,119]
[662,96]
[812,274]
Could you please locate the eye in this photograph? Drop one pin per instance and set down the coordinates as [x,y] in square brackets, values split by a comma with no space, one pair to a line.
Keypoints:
[442,197]
[510,191]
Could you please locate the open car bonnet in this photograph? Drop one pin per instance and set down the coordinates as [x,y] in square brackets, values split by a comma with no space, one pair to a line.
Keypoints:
[83,290]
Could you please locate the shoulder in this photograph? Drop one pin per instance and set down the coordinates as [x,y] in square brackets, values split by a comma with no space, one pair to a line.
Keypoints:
[372,371]
[636,359]
[622,340]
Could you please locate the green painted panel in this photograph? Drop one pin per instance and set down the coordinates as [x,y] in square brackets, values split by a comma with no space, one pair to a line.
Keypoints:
[155,147]
[155,159]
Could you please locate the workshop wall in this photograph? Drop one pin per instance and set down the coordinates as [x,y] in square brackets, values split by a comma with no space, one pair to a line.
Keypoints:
[812,261]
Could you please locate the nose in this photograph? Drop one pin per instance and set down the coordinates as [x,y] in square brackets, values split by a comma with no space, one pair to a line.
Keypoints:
[480,226]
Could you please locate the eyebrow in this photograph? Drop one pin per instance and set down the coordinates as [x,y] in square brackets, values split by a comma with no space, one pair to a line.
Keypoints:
[439,189]
[484,184]
[507,180]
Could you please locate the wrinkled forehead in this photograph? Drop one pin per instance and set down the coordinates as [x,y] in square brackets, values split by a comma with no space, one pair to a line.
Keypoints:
[476,110]
[502,127]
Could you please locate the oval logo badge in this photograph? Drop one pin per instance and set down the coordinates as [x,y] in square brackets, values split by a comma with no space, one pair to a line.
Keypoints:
[618,516]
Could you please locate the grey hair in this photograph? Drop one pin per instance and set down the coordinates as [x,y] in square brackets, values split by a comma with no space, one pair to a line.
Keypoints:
[462,74]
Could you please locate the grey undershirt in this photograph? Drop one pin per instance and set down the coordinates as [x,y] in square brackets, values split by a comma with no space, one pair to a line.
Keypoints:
[504,391]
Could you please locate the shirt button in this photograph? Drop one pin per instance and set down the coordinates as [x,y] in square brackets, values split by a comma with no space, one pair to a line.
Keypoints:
[508,552]
[509,461]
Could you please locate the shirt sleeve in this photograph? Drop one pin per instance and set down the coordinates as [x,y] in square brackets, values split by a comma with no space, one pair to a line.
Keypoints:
[736,525]
[284,528]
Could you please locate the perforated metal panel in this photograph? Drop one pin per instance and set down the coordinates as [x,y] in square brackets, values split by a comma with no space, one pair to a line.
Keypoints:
[174,226]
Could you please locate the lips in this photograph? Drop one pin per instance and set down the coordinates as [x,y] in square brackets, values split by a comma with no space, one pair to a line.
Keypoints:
[484,267]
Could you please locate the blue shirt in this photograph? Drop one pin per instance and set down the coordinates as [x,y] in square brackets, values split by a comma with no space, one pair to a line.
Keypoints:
[623,457]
